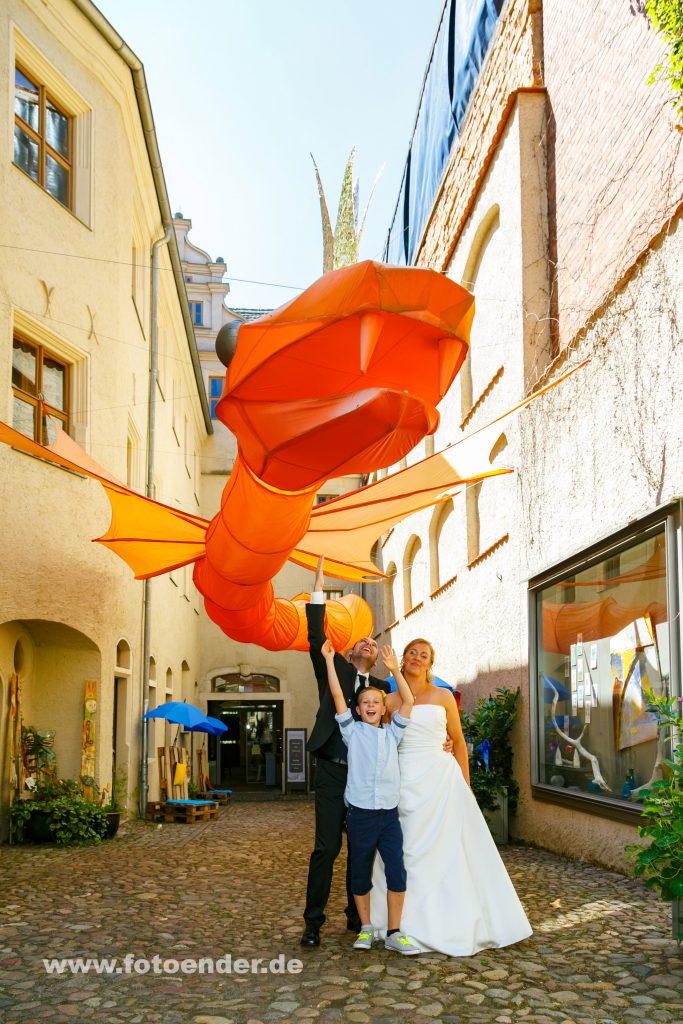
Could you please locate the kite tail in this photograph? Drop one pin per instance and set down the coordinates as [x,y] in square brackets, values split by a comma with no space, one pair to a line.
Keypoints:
[247,544]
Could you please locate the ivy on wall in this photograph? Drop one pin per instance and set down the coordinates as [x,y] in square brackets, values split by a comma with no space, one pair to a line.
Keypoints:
[666,17]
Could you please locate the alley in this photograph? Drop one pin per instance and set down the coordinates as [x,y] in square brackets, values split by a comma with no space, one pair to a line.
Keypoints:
[601,950]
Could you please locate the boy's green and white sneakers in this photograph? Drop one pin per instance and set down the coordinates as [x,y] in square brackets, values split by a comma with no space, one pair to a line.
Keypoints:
[365,938]
[400,943]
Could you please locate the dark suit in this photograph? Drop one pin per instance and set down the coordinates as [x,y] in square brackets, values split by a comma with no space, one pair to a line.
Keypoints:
[326,743]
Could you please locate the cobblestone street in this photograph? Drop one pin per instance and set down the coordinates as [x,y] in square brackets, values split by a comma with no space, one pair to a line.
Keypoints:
[601,949]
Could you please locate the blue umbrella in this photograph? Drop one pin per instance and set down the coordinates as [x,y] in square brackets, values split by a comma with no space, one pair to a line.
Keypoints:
[436,681]
[211,725]
[179,713]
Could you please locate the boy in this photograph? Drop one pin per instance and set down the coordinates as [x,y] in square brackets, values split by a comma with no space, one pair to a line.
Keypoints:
[371,794]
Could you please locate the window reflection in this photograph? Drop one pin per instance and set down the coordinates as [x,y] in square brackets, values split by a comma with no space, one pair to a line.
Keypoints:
[603,640]
[256,682]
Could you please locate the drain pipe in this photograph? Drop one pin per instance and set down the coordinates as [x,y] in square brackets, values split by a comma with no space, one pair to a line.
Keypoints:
[149,491]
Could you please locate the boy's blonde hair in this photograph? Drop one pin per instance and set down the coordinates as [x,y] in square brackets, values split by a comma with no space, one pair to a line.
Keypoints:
[374,689]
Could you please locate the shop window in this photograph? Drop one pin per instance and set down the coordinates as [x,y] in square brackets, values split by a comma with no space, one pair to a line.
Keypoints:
[600,641]
[37,374]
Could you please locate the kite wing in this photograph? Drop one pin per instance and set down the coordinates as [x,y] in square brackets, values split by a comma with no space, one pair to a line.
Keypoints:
[345,528]
[150,537]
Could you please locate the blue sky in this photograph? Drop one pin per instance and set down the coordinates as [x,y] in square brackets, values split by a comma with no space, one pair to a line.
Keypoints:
[244,90]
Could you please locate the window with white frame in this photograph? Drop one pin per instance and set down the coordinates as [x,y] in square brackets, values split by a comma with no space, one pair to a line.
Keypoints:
[197,313]
[215,392]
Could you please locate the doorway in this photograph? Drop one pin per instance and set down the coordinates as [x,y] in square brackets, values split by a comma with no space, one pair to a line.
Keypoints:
[249,755]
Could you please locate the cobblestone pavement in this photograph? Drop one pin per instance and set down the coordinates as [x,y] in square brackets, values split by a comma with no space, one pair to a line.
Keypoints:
[601,950]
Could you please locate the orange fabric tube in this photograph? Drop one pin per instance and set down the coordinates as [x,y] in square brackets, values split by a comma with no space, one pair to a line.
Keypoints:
[343,379]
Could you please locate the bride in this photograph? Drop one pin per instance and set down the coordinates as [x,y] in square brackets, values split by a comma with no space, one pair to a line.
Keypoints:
[459,897]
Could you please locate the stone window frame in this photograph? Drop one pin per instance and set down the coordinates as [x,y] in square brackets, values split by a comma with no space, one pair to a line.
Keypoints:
[76,359]
[32,62]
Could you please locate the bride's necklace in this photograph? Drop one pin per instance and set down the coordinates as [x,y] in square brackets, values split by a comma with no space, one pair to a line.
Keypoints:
[418,690]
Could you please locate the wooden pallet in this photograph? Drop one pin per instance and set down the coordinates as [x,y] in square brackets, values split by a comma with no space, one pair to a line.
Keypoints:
[183,814]
[190,813]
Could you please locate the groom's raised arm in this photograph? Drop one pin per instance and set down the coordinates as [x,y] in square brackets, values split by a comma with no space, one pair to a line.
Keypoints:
[315,617]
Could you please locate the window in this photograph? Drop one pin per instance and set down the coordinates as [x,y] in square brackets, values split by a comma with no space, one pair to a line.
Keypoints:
[43,137]
[332,595]
[245,682]
[37,374]
[600,641]
[413,567]
[197,313]
[320,499]
[215,392]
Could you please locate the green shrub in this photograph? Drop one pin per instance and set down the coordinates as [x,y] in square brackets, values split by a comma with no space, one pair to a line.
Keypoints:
[491,723]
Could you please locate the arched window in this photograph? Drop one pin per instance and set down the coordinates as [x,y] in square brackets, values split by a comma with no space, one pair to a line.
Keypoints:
[411,574]
[438,574]
[477,370]
[389,601]
[186,681]
[123,655]
[152,683]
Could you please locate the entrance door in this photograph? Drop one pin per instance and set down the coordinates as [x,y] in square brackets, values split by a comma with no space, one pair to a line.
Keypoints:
[118,742]
[249,755]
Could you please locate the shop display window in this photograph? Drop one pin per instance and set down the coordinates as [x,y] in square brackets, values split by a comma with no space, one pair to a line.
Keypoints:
[601,638]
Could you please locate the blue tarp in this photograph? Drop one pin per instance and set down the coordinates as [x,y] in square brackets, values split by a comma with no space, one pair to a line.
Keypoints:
[465,30]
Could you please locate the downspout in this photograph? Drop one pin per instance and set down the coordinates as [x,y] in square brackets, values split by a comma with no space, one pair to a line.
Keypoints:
[149,491]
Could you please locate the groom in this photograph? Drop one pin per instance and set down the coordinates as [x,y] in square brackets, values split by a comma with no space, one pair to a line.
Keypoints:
[331,769]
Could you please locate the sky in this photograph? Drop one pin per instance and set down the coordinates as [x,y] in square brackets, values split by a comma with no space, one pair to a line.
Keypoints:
[243,91]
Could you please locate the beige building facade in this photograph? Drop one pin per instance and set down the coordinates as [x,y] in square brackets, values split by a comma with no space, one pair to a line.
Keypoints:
[83,201]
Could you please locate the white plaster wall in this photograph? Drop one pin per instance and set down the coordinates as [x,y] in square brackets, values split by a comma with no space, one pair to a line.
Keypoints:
[600,452]
[480,610]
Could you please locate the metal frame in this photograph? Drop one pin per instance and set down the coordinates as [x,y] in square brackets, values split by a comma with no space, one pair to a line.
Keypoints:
[671,517]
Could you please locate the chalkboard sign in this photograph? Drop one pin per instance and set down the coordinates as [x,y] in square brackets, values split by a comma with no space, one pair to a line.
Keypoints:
[295,758]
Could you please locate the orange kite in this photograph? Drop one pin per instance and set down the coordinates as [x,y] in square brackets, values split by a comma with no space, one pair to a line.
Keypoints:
[345,379]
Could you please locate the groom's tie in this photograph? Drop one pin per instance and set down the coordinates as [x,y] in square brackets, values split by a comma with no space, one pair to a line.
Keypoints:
[361,682]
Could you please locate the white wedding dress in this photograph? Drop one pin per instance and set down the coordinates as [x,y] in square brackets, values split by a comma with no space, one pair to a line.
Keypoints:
[459,897]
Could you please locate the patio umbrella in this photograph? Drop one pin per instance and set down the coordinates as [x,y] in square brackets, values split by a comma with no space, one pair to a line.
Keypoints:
[178,712]
[210,725]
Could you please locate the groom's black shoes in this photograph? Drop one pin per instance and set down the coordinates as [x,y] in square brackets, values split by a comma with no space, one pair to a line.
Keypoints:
[310,937]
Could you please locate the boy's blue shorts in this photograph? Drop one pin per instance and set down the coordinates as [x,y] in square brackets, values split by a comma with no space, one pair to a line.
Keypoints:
[371,832]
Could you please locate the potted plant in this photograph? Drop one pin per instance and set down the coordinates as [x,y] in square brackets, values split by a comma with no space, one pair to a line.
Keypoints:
[487,730]
[659,860]
[57,812]
[111,800]
[119,799]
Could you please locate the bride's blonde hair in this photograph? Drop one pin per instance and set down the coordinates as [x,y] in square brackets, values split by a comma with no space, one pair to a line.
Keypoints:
[432,655]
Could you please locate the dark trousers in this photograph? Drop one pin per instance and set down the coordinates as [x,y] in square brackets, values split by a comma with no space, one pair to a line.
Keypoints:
[330,813]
